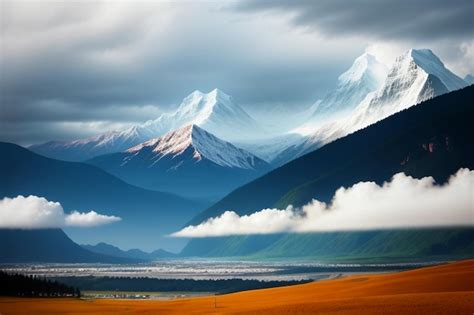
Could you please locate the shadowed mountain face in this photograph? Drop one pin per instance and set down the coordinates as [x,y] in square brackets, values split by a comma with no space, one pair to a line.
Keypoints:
[188,161]
[48,245]
[146,215]
[430,139]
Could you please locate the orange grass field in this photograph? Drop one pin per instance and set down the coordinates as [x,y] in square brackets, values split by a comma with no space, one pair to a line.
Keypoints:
[445,289]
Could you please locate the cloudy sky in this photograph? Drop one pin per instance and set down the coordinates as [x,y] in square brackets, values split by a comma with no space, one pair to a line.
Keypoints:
[70,69]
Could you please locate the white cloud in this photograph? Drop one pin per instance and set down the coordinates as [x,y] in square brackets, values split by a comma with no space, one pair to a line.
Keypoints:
[387,51]
[34,212]
[90,218]
[404,202]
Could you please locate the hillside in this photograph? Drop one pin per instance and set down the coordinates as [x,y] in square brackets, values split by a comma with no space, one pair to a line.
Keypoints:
[372,154]
[381,245]
[429,139]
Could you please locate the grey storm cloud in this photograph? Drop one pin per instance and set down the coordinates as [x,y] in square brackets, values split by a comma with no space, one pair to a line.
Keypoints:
[70,69]
[406,19]
[82,64]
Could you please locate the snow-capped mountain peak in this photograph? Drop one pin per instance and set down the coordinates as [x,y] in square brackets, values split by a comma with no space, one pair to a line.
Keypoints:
[415,76]
[203,145]
[215,111]
[174,142]
[199,107]
[408,63]
[364,65]
[365,75]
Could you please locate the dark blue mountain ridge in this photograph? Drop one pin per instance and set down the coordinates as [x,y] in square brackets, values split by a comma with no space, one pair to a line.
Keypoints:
[48,246]
[146,215]
[111,250]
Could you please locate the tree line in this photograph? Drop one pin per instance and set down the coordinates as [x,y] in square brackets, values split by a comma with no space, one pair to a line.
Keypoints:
[34,286]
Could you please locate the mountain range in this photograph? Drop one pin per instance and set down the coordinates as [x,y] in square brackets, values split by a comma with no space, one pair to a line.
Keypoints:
[160,174]
[137,254]
[215,111]
[374,153]
[189,161]
[366,93]
[425,140]
[54,246]
[415,76]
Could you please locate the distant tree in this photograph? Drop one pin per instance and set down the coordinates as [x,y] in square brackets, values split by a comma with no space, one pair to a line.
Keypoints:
[32,286]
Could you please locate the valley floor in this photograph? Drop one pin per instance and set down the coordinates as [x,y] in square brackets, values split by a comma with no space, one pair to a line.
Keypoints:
[445,289]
